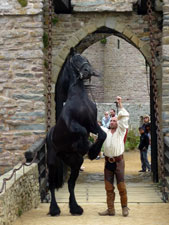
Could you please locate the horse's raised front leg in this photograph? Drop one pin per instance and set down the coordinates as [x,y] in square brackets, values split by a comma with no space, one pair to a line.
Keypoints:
[96,147]
[82,144]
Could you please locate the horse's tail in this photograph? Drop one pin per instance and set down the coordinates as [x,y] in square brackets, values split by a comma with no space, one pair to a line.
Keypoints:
[57,174]
[57,170]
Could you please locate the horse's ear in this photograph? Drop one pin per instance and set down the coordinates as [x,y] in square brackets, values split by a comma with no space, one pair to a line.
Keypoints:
[72,51]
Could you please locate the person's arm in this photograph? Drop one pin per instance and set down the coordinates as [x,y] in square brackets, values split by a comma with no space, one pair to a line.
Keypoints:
[119,101]
[123,116]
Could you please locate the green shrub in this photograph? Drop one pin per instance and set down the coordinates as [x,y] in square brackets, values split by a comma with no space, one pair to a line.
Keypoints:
[132,141]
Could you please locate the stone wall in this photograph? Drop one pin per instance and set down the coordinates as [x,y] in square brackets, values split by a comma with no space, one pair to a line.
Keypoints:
[21,195]
[165,89]
[165,64]
[123,72]
[22,106]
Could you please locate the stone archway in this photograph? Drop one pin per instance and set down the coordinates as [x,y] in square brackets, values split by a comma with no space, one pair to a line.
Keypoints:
[121,30]
[115,27]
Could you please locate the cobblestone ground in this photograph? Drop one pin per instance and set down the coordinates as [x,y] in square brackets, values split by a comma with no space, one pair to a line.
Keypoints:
[146,206]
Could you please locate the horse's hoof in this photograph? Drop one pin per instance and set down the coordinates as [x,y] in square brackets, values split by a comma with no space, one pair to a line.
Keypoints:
[76,211]
[54,212]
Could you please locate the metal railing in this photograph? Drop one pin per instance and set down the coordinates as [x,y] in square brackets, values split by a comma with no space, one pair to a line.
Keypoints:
[13,174]
[38,149]
[36,153]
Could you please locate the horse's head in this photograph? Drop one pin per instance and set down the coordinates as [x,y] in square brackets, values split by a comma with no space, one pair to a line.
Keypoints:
[82,67]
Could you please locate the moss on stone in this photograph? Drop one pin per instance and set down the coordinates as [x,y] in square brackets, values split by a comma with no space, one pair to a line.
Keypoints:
[23,3]
[103,41]
[20,212]
[46,64]
[55,20]
[45,40]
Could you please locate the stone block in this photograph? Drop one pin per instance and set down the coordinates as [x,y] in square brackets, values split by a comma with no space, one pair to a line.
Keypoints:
[165,78]
[135,40]
[166,86]
[165,115]
[64,52]
[120,27]
[145,49]
[165,50]
[90,28]
[100,22]
[165,99]
[110,22]
[165,107]
[55,72]
[72,42]
[165,71]
[165,123]
[80,34]
[127,32]
[165,40]
[58,61]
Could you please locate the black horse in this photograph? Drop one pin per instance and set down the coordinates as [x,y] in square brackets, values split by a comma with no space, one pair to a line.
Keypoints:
[67,141]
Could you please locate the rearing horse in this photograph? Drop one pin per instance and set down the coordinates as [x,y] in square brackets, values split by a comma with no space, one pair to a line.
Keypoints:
[67,141]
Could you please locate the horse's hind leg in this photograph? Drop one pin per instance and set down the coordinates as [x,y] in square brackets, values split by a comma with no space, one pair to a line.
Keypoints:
[75,209]
[54,210]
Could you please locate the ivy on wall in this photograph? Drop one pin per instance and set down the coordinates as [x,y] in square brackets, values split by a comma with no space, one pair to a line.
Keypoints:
[23,3]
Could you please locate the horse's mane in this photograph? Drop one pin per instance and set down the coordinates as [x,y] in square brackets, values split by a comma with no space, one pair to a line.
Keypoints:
[65,77]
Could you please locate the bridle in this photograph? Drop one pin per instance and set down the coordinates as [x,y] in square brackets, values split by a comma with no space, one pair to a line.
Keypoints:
[78,69]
